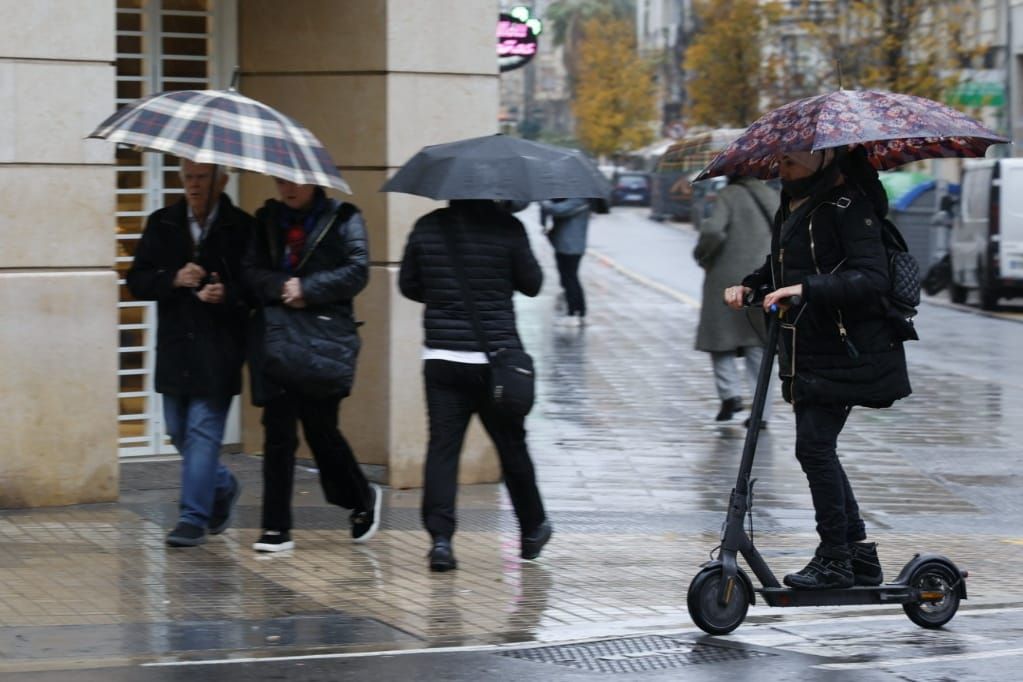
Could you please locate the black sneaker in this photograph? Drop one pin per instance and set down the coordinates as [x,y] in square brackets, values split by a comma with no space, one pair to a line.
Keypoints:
[442,557]
[865,564]
[366,522]
[532,544]
[186,535]
[273,541]
[728,408]
[823,573]
[223,510]
[763,423]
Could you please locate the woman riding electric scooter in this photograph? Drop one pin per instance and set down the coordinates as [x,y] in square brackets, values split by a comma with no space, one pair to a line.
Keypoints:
[837,349]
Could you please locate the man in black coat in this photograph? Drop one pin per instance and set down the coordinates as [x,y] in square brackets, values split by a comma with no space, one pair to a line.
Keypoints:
[188,261]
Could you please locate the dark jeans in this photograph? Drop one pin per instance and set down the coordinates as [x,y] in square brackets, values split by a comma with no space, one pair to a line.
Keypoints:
[340,475]
[568,272]
[838,515]
[454,392]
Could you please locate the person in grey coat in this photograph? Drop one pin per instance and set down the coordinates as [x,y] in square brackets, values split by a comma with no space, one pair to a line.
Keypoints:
[733,240]
[570,222]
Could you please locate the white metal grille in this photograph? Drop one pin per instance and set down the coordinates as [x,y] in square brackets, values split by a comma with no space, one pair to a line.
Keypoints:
[161,45]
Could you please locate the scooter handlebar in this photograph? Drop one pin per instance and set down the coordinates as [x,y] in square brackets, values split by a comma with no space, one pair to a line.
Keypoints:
[792,300]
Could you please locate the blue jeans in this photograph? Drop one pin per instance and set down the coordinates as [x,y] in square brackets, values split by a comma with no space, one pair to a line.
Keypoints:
[196,427]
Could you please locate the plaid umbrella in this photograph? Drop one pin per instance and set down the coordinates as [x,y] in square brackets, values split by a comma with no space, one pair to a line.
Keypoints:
[694,152]
[227,129]
[499,167]
[894,128]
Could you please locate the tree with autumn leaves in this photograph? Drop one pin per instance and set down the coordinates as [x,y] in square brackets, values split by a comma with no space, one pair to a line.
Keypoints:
[908,46]
[614,101]
[748,56]
[725,66]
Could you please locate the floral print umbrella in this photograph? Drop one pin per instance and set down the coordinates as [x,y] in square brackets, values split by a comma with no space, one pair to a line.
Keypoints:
[894,128]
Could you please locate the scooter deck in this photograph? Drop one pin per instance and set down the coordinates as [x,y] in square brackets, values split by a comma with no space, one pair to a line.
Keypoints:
[881,594]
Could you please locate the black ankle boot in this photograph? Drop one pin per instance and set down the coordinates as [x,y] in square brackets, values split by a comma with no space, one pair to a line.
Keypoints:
[442,557]
[865,564]
[831,567]
[728,408]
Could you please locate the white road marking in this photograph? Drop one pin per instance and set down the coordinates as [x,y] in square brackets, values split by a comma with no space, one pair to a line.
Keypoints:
[485,648]
[920,660]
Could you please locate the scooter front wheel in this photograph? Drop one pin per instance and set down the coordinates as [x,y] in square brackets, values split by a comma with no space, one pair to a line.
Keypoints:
[938,585]
[708,610]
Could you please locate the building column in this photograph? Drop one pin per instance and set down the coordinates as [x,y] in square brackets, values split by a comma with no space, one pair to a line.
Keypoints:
[376,81]
[58,288]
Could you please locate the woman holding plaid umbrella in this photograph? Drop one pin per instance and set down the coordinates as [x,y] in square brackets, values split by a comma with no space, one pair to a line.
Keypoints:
[308,251]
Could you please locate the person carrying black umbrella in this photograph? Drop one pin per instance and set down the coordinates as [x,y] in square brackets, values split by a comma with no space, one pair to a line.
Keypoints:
[838,348]
[494,255]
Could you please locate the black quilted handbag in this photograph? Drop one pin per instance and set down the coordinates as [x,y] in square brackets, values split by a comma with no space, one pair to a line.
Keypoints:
[310,351]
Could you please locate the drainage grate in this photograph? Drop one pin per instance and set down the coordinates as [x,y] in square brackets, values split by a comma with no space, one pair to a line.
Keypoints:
[633,654]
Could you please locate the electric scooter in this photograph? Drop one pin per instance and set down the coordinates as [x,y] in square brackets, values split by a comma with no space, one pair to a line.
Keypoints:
[929,587]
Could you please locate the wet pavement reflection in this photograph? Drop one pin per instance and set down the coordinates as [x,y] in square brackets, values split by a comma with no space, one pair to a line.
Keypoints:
[635,475]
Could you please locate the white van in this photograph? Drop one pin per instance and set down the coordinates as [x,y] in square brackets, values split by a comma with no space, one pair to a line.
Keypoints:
[986,245]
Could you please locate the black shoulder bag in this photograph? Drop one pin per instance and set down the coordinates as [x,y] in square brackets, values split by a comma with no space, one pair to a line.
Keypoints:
[313,350]
[512,377]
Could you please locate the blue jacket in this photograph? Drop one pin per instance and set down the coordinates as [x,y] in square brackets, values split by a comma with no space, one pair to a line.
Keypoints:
[571,220]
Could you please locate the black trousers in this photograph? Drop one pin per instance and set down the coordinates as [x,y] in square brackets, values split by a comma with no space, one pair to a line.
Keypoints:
[837,514]
[341,478]
[568,273]
[454,392]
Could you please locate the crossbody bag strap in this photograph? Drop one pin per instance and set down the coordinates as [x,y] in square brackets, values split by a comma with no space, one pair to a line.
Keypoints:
[763,209]
[463,283]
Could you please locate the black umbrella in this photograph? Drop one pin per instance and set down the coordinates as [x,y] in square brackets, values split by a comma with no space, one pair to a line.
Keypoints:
[499,167]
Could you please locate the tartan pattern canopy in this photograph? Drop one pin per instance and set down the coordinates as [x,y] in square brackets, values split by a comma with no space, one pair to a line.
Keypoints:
[694,152]
[224,128]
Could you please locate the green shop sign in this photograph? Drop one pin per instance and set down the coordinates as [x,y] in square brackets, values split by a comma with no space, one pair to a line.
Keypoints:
[977,94]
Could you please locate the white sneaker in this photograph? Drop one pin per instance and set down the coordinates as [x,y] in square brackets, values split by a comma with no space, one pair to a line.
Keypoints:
[274,541]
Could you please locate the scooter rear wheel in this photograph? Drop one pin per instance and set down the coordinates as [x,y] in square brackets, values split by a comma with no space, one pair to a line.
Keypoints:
[705,607]
[934,577]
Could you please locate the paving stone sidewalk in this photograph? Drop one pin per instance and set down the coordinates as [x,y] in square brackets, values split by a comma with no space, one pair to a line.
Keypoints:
[635,475]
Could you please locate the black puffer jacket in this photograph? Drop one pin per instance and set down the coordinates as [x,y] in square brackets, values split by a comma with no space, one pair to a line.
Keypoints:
[845,350]
[497,260]
[199,346]
[334,267]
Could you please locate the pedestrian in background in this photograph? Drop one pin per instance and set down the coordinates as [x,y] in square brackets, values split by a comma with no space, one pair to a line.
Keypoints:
[733,241]
[189,262]
[570,219]
[309,251]
[495,257]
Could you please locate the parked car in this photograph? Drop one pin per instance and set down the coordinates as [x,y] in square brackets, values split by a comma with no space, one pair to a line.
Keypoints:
[986,244]
[631,187]
[705,193]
